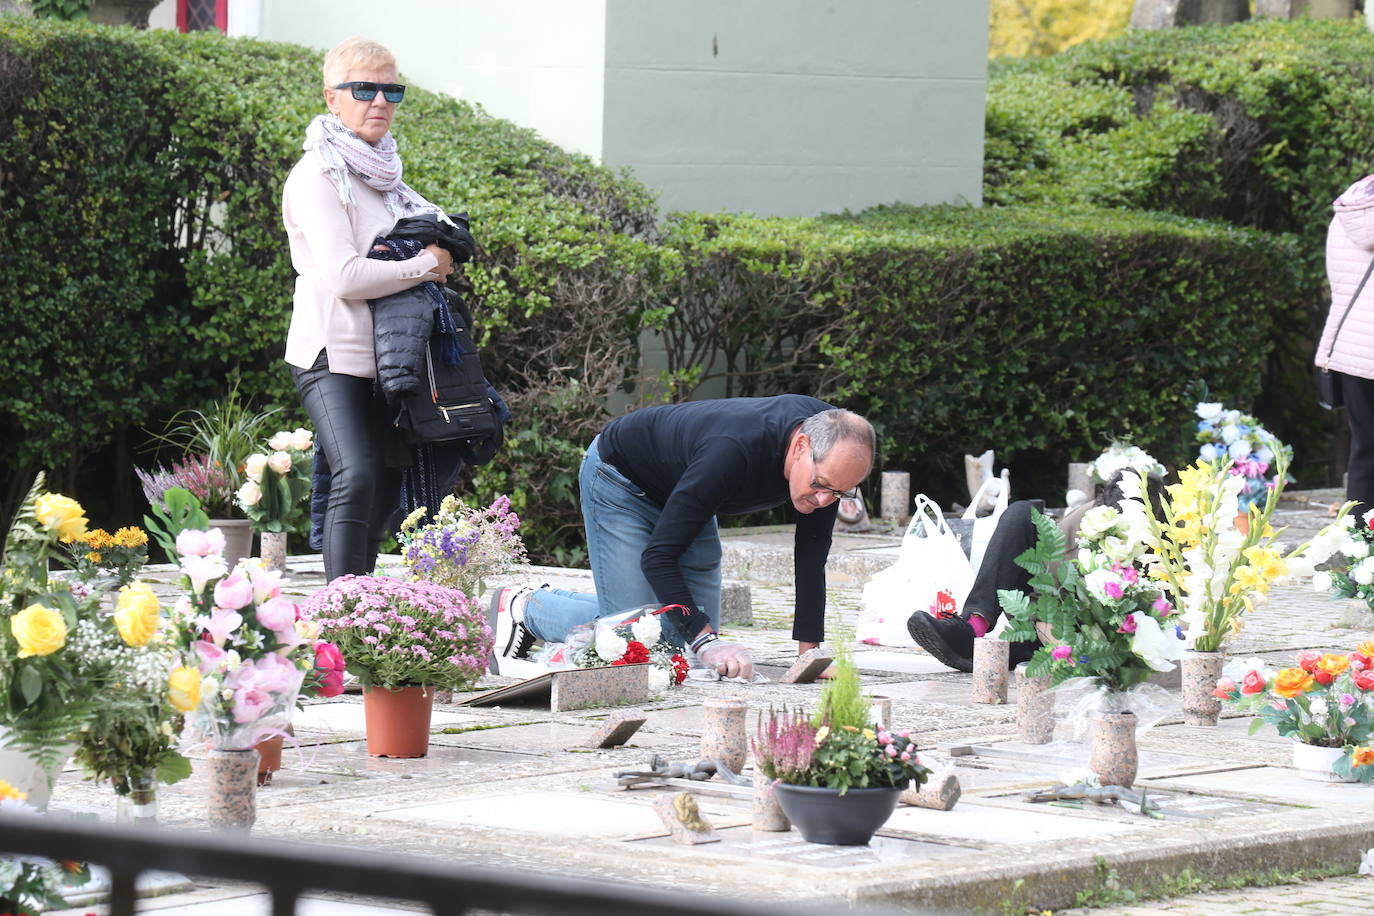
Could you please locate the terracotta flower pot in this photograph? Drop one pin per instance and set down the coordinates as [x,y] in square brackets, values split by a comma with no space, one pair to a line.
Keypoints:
[827,817]
[1200,673]
[398,720]
[1114,759]
[269,759]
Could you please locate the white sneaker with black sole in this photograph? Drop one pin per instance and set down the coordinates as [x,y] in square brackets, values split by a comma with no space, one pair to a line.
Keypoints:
[506,616]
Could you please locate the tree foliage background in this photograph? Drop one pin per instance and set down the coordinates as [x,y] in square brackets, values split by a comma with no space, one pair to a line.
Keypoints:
[1021,28]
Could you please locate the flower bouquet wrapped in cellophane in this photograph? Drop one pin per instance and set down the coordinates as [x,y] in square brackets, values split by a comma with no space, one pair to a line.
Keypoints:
[461,547]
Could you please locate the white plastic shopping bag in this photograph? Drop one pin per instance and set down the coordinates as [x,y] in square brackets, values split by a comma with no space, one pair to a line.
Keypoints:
[985,526]
[931,575]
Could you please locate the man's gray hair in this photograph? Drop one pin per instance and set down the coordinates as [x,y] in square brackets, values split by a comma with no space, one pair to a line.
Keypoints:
[830,427]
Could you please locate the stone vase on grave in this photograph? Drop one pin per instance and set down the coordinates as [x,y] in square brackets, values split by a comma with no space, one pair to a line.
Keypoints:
[233,789]
[398,720]
[273,551]
[723,732]
[1034,707]
[990,657]
[1200,673]
[1114,758]
[768,813]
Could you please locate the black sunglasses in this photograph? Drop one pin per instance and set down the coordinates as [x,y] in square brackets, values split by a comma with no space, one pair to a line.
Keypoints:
[365,92]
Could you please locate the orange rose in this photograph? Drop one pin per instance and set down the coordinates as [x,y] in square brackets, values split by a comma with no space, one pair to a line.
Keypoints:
[1292,682]
[1366,649]
[1335,664]
[1362,756]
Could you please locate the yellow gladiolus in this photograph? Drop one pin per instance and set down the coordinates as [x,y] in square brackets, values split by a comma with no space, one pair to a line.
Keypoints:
[183,688]
[61,514]
[137,614]
[39,630]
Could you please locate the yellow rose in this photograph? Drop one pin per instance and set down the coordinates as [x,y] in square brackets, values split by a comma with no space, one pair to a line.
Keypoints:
[61,514]
[137,614]
[39,630]
[183,688]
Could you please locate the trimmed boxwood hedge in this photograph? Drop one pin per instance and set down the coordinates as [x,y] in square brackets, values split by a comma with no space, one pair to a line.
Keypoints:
[1042,332]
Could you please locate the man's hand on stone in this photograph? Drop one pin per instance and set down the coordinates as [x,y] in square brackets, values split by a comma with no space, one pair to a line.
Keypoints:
[729,659]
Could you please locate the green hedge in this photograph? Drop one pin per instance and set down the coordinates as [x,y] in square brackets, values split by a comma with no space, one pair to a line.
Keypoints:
[145,262]
[1042,332]
[1260,125]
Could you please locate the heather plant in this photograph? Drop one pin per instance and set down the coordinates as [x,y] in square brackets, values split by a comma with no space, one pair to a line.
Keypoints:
[783,748]
[395,633]
[198,475]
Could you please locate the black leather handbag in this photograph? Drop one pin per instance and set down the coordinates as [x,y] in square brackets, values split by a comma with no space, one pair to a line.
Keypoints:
[1329,394]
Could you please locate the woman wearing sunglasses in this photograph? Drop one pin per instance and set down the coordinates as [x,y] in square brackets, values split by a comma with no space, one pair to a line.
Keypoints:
[342,194]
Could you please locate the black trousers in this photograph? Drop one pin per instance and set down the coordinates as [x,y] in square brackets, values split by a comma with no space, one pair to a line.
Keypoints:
[1013,536]
[351,427]
[1359,408]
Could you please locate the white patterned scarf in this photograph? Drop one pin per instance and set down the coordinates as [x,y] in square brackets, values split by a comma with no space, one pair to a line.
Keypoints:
[344,154]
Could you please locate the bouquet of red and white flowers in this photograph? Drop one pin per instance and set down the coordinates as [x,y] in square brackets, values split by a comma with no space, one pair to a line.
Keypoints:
[630,638]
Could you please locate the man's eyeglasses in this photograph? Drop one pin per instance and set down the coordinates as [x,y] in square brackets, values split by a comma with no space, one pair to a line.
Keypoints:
[838,494]
[364,91]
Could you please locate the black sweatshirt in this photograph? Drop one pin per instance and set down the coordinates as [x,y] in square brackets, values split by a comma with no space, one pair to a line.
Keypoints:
[707,458]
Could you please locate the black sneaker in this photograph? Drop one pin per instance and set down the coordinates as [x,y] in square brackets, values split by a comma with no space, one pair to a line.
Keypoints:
[506,616]
[949,639]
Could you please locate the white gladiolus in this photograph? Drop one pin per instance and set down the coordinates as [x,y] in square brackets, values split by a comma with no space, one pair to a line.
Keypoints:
[280,462]
[1208,452]
[1158,646]
[254,465]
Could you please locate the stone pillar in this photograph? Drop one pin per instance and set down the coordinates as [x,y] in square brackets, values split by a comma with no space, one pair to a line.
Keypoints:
[896,498]
[122,12]
[1165,14]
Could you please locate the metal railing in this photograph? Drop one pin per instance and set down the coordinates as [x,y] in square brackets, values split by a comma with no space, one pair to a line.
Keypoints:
[287,871]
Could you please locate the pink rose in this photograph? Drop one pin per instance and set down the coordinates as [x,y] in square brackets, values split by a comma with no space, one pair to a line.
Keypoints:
[234,591]
[193,543]
[275,674]
[1225,689]
[1252,683]
[1128,625]
[891,750]
[277,614]
[1061,653]
[329,666]
[1162,606]
[251,705]
[280,462]
[1308,658]
[1112,590]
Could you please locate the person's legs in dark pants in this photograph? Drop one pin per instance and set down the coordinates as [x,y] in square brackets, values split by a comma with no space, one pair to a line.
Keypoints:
[1359,407]
[349,416]
[950,639]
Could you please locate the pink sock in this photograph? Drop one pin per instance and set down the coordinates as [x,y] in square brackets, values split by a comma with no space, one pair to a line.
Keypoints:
[980,626]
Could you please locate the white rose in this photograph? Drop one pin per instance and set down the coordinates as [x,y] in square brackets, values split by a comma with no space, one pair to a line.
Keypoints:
[1239,450]
[302,440]
[1319,708]
[1097,522]
[280,441]
[1208,410]
[1356,548]
[1321,581]
[1208,452]
[254,465]
[250,494]
[1229,433]
[280,462]
[1363,575]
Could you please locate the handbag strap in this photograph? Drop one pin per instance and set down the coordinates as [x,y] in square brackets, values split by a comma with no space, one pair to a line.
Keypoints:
[1329,350]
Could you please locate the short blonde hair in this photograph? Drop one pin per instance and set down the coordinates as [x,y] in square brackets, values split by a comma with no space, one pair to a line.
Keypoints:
[353,54]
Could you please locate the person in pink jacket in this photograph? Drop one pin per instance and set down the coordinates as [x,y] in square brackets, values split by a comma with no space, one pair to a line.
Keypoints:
[1347,341]
[342,194]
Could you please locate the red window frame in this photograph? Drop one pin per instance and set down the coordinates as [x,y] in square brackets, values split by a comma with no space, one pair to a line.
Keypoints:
[221,15]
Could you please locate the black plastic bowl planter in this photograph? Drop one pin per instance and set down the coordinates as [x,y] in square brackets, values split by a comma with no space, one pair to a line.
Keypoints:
[825,816]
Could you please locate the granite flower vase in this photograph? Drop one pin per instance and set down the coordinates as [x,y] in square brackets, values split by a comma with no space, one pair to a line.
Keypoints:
[1200,673]
[398,720]
[826,817]
[1114,757]
[273,550]
[233,789]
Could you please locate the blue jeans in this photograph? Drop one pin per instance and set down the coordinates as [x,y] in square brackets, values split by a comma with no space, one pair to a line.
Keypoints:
[619,520]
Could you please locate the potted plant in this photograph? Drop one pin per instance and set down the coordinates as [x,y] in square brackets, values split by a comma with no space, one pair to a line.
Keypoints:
[245,652]
[274,491]
[1323,703]
[1105,620]
[215,444]
[459,546]
[402,640]
[1213,570]
[836,778]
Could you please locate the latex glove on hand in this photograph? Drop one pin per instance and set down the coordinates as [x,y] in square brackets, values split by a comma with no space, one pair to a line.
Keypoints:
[729,659]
